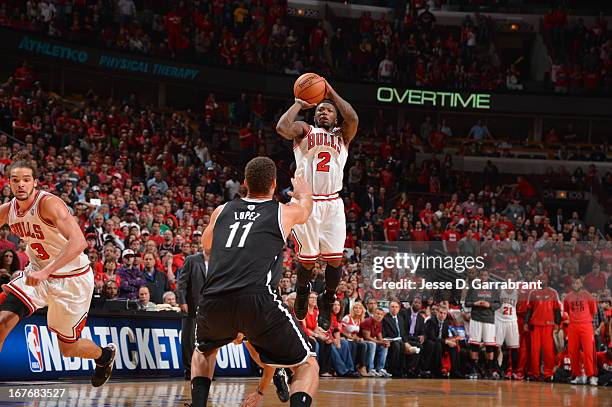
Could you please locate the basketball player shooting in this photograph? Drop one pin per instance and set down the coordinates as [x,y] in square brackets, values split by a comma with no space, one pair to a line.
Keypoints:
[58,275]
[321,151]
[245,239]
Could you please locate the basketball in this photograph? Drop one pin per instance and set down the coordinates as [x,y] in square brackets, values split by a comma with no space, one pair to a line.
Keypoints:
[310,87]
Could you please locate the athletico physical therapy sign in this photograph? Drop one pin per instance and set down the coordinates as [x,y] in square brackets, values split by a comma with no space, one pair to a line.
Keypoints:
[147,346]
[142,67]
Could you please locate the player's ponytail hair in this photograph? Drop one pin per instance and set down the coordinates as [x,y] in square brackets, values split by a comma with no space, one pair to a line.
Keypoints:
[22,159]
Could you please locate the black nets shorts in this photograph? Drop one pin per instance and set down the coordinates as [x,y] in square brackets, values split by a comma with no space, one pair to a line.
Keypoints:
[267,324]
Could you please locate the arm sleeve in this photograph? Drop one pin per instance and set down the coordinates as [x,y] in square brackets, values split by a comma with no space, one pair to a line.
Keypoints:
[495,304]
[557,316]
[528,315]
[470,298]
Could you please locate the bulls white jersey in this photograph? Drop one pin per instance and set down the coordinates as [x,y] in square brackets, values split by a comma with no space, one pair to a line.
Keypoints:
[44,241]
[320,158]
[507,311]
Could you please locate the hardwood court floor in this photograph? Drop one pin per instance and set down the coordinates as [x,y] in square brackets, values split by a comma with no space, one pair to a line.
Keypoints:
[332,392]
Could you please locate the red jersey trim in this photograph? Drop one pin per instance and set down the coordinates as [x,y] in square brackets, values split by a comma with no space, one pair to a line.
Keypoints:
[28,208]
[78,272]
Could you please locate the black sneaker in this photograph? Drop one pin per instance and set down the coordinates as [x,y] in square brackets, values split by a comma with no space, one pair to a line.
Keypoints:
[103,372]
[301,303]
[281,382]
[325,308]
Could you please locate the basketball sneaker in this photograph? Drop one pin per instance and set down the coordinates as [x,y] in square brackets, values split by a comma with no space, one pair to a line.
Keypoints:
[301,302]
[593,380]
[281,382]
[103,372]
[324,303]
[579,380]
[384,373]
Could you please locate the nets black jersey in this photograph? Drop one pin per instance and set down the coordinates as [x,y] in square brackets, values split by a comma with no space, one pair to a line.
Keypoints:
[247,248]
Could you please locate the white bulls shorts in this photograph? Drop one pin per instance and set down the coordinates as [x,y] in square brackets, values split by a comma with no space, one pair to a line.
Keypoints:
[508,332]
[68,299]
[482,333]
[324,233]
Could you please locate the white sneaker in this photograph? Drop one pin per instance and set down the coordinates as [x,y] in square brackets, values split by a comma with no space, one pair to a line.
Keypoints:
[579,380]
[374,373]
[384,373]
[593,380]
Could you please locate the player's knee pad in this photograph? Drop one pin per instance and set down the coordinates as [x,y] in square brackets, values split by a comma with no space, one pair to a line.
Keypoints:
[474,347]
[14,305]
[332,277]
[491,348]
[303,275]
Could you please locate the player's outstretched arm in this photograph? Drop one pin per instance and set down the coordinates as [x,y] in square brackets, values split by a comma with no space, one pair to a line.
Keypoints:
[288,127]
[298,211]
[349,115]
[207,236]
[54,211]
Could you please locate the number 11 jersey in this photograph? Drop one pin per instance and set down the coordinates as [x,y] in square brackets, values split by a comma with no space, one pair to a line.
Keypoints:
[246,254]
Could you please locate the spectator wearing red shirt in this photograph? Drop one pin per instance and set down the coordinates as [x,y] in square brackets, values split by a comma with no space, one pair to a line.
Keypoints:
[451,236]
[6,244]
[595,281]
[418,234]
[247,140]
[317,39]
[377,348]
[391,227]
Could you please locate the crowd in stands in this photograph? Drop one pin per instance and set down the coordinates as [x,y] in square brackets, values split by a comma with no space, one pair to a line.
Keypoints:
[407,47]
[143,184]
[581,55]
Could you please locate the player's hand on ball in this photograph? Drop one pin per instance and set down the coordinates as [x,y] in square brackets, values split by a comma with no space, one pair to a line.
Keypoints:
[252,400]
[305,105]
[36,277]
[300,187]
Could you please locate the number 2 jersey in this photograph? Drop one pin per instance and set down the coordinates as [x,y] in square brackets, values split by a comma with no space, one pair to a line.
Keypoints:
[44,240]
[247,248]
[320,158]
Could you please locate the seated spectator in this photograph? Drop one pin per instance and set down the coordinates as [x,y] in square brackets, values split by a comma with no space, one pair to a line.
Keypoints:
[350,330]
[393,331]
[604,366]
[415,334]
[377,347]
[438,341]
[109,290]
[170,299]
[144,299]
[318,338]
[108,273]
[9,261]
[156,280]
[131,276]
[342,359]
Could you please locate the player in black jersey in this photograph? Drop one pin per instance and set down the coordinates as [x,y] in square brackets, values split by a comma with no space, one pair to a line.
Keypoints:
[245,239]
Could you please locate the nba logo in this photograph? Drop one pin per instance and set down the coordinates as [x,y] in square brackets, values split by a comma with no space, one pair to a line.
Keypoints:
[34,352]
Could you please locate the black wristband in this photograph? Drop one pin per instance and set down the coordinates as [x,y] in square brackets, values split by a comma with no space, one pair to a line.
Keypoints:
[259,391]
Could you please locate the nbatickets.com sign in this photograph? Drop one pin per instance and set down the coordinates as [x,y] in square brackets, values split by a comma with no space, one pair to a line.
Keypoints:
[149,349]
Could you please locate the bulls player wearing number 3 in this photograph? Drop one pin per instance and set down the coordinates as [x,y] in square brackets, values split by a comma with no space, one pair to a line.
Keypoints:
[58,275]
[320,153]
